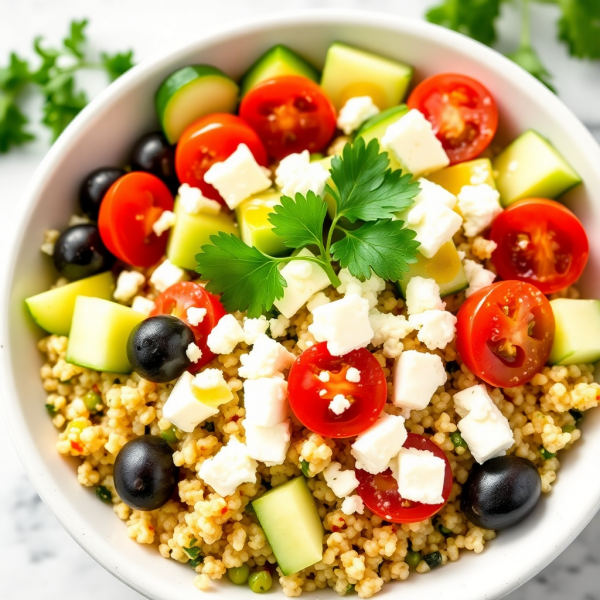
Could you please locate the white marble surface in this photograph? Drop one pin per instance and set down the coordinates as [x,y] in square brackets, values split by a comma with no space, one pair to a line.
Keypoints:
[37,557]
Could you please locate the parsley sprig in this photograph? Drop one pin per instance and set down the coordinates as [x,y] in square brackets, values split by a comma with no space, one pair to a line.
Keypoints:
[55,79]
[366,196]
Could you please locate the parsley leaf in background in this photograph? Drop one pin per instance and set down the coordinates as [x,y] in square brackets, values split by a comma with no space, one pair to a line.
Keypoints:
[579,27]
[117,64]
[76,39]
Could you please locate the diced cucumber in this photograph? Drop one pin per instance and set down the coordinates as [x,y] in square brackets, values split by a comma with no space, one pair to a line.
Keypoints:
[99,334]
[290,520]
[53,310]
[472,172]
[191,232]
[191,93]
[279,60]
[531,167]
[350,72]
[445,267]
[577,333]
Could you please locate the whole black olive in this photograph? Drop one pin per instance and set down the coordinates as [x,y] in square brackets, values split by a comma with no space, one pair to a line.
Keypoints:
[79,252]
[501,492]
[144,474]
[157,347]
[154,154]
[94,187]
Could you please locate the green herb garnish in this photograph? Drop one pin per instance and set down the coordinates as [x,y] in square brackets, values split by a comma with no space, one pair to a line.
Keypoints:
[194,554]
[434,559]
[104,494]
[545,454]
[210,426]
[52,410]
[457,440]
[304,467]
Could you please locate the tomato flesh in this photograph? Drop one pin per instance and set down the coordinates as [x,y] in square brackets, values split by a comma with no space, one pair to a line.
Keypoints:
[380,492]
[310,396]
[462,112]
[504,333]
[128,211]
[290,114]
[540,241]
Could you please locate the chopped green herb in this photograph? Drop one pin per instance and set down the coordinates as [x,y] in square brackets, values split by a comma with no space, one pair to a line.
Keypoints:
[545,454]
[445,531]
[576,414]
[104,494]
[194,553]
[457,440]
[169,435]
[452,366]
[434,559]
[52,410]
[210,426]
[117,64]
[305,467]
[250,509]
[349,589]
[92,401]
[413,559]
[195,562]
[569,428]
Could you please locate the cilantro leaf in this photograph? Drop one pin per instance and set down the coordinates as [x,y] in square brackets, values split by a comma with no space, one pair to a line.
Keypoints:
[246,278]
[579,27]
[527,58]
[300,221]
[382,246]
[76,39]
[63,103]
[15,76]
[365,189]
[117,64]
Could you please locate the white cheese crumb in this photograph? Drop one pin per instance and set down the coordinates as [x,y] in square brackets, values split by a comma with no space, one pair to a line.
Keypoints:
[341,483]
[193,352]
[128,285]
[339,405]
[254,327]
[324,376]
[368,289]
[166,275]
[268,444]
[279,326]
[436,328]
[164,222]
[297,175]
[50,237]
[319,299]
[265,401]
[195,316]
[142,305]
[322,392]
[209,379]
[479,205]
[193,201]
[389,330]
[420,475]
[355,112]
[78,220]
[477,276]
[417,375]
[423,294]
[353,504]
[225,336]
[266,359]
[353,375]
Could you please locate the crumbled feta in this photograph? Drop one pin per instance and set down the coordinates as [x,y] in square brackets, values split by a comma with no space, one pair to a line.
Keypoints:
[413,143]
[183,408]
[268,444]
[353,504]
[229,468]
[479,205]
[353,375]
[166,275]
[304,279]
[331,324]
[128,285]
[341,483]
[142,305]
[368,289]
[436,328]
[211,388]
[432,192]
[225,336]
[482,248]
[389,330]
[477,276]
[339,405]
[164,222]
[193,201]
[485,429]
[50,237]
[374,448]
[417,375]
[324,376]
[266,359]
[319,299]
[420,475]
[237,177]
[254,327]
[195,316]
[78,220]
[265,401]
[423,294]
[193,352]
[322,392]
[355,112]
[279,326]
[297,175]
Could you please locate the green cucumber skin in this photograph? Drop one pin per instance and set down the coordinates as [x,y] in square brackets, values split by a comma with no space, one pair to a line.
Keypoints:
[388,113]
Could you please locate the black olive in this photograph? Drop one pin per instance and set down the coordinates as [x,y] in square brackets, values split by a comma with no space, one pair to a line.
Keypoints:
[154,154]
[79,252]
[501,492]
[144,474]
[157,347]
[94,187]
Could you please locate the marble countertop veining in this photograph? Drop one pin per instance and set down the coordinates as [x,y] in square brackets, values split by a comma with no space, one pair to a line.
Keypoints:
[37,557]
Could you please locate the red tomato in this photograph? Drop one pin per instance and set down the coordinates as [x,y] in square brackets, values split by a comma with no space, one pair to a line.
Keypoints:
[367,397]
[380,492]
[541,242]
[462,111]
[290,114]
[187,294]
[131,206]
[504,333]
[210,140]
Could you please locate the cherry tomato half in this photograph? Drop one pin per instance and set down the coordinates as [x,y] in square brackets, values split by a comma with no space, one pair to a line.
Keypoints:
[462,111]
[131,206]
[210,140]
[540,241]
[504,333]
[380,492]
[177,299]
[310,396]
[290,114]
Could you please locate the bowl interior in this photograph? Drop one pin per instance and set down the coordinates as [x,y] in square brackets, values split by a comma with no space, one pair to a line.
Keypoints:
[103,135]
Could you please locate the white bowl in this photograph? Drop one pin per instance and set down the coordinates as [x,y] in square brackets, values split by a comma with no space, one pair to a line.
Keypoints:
[104,133]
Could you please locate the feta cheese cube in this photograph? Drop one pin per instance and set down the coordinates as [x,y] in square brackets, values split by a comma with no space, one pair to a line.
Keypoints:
[353,375]
[229,468]
[254,327]
[166,275]
[267,358]
[412,142]
[128,285]
[339,405]
[389,330]
[142,305]
[353,504]
[331,324]
[225,336]
[479,205]
[477,276]
[355,112]
[164,222]
[432,192]
[317,300]
[193,201]
[193,352]
[183,408]
[279,326]
[368,289]
[341,483]
[268,444]
[437,328]
[297,175]
[265,400]
[211,388]
[417,375]
[423,294]
[420,475]
[303,279]
[237,177]
[195,316]
[374,448]
[485,429]
[324,376]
